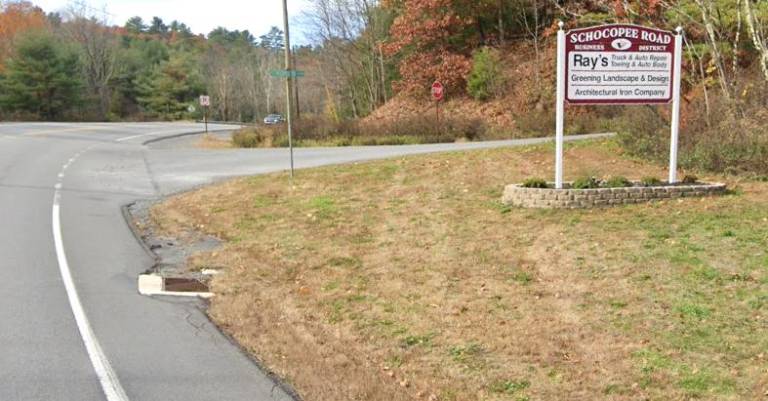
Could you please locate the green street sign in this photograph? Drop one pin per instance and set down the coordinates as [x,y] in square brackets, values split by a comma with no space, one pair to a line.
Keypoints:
[287,73]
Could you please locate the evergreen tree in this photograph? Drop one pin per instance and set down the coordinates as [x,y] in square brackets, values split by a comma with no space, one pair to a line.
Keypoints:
[273,40]
[223,36]
[157,27]
[135,25]
[42,78]
[171,87]
[181,28]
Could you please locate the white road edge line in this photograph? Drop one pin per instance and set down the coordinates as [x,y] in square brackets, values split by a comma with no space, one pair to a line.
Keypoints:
[110,383]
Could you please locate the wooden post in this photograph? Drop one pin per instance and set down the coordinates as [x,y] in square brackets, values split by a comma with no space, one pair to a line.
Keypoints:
[288,82]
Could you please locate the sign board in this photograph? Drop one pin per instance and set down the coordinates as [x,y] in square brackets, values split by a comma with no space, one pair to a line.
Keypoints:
[619,64]
[287,73]
[205,101]
[438,91]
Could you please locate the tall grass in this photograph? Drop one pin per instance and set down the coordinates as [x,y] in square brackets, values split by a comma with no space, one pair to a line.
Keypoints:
[730,136]
[315,131]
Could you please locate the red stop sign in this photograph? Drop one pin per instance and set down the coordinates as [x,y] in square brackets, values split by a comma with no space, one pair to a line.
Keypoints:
[438,91]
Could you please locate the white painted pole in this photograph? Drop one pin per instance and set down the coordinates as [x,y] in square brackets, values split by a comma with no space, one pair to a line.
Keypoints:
[677,71]
[560,117]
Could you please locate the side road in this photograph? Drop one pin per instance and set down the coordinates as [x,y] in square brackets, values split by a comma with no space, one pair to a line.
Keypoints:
[153,349]
[180,168]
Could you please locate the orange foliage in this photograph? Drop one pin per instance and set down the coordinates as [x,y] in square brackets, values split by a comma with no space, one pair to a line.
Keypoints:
[16,18]
[644,8]
[422,33]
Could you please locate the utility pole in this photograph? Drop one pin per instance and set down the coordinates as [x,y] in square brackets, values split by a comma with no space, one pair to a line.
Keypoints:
[288,81]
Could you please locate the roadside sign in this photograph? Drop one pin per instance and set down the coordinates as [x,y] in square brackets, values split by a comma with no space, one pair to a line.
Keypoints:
[205,103]
[438,91]
[619,64]
[287,73]
[191,108]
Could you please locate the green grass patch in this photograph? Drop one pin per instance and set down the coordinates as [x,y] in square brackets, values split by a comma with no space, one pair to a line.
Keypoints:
[510,387]
[469,355]
[323,206]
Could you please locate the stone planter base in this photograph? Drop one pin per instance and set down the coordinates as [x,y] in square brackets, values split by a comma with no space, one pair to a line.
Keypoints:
[568,198]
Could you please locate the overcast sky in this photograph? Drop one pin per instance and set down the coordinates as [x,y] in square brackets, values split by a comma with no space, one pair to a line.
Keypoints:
[257,16]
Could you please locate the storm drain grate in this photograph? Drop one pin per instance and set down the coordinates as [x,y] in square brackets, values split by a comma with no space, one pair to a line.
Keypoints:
[185,285]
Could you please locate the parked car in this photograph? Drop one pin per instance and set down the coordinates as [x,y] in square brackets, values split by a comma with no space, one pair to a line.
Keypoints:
[273,119]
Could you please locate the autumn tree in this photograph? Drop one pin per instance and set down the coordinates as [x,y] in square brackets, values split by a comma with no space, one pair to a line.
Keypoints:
[430,36]
[16,18]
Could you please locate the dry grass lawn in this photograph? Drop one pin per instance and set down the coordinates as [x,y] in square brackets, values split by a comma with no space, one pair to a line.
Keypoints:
[407,280]
[209,141]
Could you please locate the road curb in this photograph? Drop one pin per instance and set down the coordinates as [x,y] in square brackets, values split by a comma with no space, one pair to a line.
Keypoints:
[175,136]
[153,288]
[279,381]
[125,210]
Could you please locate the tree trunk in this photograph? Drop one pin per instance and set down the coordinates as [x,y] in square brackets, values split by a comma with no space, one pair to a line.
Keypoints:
[700,63]
[383,73]
[757,38]
[716,56]
[501,22]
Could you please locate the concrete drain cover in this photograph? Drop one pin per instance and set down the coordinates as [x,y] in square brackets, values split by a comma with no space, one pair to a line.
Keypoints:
[152,284]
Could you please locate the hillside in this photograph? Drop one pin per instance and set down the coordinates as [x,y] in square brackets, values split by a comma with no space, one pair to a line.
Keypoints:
[528,89]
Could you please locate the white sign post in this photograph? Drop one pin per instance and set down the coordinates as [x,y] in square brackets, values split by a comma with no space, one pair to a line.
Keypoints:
[618,64]
[205,102]
[676,105]
[560,123]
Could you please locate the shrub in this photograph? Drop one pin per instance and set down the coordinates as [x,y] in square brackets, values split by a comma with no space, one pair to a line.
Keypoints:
[541,121]
[248,138]
[586,183]
[650,182]
[485,80]
[592,120]
[618,182]
[642,132]
[314,131]
[533,123]
[690,179]
[727,136]
[535,183]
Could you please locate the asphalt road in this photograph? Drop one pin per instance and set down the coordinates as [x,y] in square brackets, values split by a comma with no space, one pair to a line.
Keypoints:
[72,324]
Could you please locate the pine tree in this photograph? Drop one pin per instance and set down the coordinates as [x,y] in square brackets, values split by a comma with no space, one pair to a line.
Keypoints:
[273,39]
[135,25]
[171,87]
[42,78]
